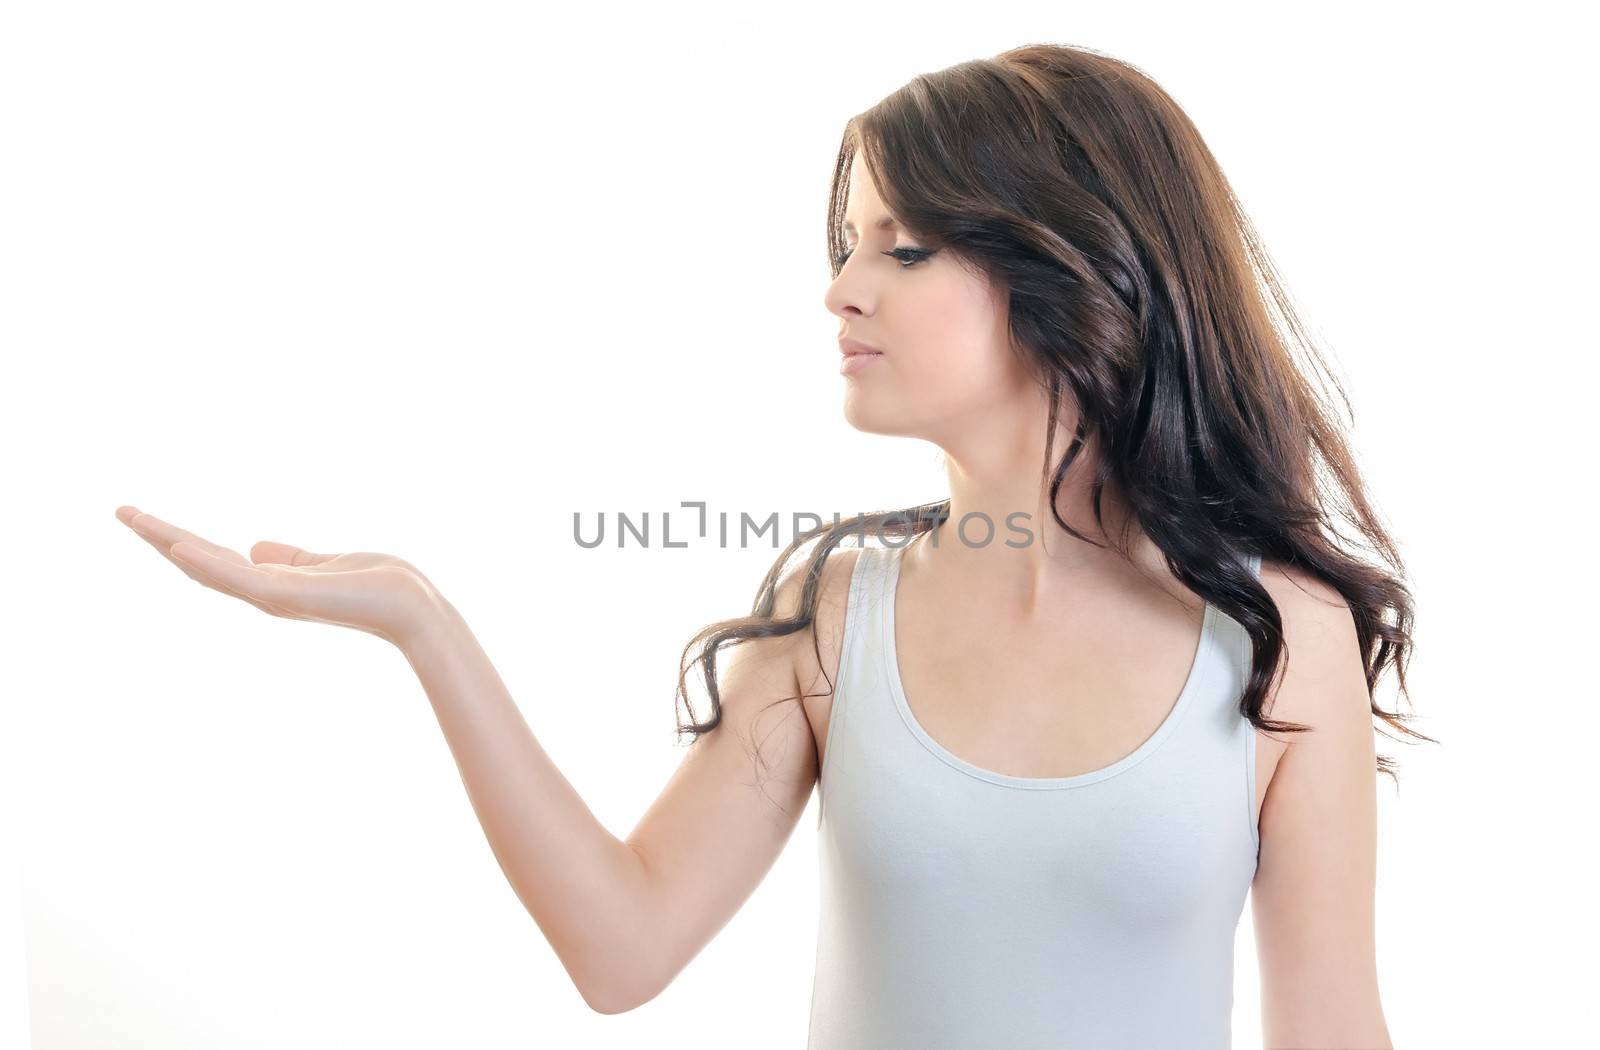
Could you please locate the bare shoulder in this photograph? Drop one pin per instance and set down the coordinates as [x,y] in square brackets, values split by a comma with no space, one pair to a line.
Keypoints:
[815,650]
[1324,676]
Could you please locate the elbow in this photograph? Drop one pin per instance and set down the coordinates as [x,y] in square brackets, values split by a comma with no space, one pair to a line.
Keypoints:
[620,984]
[603,1004]
[614,960]
[1352,1020]
[616,1000]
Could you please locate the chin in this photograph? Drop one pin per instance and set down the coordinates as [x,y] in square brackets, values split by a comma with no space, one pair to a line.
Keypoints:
[870,422]
[860,417]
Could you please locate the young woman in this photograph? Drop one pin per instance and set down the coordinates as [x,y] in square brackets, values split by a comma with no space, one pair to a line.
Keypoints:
[1038,711]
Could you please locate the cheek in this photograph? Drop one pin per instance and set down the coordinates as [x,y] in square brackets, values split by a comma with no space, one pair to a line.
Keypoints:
[963,353]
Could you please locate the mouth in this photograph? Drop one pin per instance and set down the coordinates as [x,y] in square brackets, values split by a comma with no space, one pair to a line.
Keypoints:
[855,361]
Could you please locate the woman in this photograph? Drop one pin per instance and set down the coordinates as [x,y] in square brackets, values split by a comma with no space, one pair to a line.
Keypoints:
[1041,728]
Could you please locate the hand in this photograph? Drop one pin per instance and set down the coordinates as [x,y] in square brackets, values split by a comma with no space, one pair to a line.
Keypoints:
[376,593]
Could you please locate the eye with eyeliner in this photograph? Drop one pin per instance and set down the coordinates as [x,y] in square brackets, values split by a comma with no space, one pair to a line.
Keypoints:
[908,257]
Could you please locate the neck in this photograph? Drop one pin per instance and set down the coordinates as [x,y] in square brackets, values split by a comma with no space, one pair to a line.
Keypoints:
[1002,542]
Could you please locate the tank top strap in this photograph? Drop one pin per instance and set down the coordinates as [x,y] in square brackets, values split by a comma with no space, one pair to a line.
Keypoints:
[860,659]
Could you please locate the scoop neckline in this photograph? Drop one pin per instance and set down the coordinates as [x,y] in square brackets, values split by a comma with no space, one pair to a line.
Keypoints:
[889,580]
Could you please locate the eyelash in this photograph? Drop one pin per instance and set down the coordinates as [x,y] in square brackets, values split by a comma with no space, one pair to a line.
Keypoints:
[908,257]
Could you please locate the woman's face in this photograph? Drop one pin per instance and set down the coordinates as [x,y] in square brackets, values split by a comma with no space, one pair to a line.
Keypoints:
[947,363]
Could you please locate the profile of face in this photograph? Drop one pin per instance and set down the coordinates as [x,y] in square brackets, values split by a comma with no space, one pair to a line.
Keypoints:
[947,364]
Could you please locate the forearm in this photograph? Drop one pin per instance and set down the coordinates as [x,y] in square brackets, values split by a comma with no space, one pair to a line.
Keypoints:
[584,887]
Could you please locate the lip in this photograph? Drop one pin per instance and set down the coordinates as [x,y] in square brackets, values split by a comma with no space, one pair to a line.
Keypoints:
[857,360]
[849,346]
[857,355]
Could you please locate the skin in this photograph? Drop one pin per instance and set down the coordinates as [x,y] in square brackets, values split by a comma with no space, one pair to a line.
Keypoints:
[626,916]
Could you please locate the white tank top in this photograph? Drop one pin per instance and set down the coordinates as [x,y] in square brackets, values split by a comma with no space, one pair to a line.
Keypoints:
[965,908]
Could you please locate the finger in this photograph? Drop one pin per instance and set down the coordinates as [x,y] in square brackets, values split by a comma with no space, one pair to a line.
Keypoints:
[148,527]
[199,575]
[162,536]
[278,590]
[144,527]
[268,551]
[245,581]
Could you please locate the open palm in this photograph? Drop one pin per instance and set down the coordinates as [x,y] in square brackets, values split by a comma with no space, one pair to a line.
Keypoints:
[376,593]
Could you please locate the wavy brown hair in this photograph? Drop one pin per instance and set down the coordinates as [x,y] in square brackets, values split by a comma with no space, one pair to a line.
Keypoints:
[1141,296]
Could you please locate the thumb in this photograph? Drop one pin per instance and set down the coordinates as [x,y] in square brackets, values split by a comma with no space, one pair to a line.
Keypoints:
[267,552]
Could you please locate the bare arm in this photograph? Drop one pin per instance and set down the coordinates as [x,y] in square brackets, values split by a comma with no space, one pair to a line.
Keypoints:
[723,819]
[1313,907]
[623,917]
[583,887]
[626,917]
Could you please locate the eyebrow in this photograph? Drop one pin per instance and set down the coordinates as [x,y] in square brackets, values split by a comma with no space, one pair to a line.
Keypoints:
[885,223]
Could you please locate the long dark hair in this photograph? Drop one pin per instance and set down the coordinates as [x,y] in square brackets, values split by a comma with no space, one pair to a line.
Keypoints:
[1140,291]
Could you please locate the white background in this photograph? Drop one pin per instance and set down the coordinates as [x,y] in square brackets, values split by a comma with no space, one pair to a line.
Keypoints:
[427,279]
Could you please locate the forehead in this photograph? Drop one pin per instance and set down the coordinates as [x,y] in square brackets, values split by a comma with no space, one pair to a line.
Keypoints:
[863,202]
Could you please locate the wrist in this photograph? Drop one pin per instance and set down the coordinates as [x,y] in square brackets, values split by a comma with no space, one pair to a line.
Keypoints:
[428,616]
